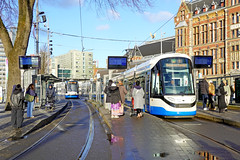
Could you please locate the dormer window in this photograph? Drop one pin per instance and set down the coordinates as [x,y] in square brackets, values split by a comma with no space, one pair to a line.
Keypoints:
[222,3]
[197,10]
[205,7]
[182,15]
[213,5]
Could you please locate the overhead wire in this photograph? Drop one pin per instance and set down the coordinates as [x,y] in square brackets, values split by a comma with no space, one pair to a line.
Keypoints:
[159,28]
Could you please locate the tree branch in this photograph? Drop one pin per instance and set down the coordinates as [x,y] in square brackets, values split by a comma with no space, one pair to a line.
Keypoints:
[4,36]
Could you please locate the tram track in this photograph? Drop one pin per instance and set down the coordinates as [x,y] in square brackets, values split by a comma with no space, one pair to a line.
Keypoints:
[181,127]
[58,126]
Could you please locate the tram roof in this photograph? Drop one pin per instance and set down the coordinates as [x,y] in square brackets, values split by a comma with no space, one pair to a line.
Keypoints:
[150,64]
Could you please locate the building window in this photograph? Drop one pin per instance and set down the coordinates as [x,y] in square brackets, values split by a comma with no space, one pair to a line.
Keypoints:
[237,17]
[237,47]
[233,65]
[237,65]
[222,68]
[233,33]
[221,27]
[233,18]
[204,34]
[233,48]
[182,15]
[180,38]
[215,69]
[215,31]
[222,52]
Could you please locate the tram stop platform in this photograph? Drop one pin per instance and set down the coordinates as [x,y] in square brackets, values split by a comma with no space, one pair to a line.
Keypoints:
[146,138]
[41,117]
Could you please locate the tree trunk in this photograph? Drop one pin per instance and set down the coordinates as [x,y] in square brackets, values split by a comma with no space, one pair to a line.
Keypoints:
[14,74]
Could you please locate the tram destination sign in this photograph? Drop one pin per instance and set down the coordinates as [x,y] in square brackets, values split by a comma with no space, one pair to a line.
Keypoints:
[117,62]
[29,62]
[203,61]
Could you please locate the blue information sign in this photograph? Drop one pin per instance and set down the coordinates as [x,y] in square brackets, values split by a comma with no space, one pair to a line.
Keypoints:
[29,62]
[117,62]
[203,61]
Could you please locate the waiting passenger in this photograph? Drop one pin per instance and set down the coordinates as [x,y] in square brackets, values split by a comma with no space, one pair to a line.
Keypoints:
[138,94]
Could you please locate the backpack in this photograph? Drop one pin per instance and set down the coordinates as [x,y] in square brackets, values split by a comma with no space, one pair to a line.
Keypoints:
[15,100]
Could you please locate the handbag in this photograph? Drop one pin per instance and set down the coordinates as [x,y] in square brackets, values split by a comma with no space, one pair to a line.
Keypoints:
[29,97]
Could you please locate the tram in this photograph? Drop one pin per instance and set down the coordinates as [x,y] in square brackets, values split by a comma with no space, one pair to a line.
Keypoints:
[72,89]
[168,83]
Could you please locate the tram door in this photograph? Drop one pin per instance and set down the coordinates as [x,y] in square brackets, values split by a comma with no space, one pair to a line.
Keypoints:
[147,91]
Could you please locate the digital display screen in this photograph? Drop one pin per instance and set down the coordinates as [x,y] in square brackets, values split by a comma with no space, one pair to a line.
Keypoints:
[117,62]
[203,61]
[29,62]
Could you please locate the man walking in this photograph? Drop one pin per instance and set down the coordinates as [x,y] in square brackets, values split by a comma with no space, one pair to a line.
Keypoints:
[204,90]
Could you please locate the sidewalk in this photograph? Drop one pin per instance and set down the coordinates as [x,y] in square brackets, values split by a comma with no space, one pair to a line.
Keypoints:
[231,117]
[41,118]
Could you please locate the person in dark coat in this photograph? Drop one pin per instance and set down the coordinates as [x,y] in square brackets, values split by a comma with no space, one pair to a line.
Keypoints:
[51,94]
[221,98]
[115,101]
[17,102]
[204,90]
[108,95]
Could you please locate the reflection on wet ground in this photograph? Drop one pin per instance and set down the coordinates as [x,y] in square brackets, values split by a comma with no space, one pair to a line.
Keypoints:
[115,139]
[160,154]
[206,155]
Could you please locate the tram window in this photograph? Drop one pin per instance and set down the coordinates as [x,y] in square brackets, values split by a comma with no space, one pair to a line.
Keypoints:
[156,86]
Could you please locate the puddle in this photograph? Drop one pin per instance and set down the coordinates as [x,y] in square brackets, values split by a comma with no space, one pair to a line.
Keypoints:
[163,154]
[114,139]
[206,155]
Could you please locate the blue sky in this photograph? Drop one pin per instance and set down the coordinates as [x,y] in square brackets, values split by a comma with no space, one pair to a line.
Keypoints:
[124,24]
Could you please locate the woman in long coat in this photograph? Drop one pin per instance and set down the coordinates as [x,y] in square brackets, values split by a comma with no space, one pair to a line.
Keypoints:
[123,92]
[221,98]
[138,94]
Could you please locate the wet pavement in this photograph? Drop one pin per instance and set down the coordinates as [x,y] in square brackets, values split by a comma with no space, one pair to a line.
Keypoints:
[152,138]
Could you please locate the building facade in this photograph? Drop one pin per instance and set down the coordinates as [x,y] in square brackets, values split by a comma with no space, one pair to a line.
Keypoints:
[4,61]
[80,64]
[210,27]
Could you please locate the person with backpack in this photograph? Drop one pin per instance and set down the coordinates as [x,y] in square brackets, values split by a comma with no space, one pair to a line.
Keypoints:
[17,102]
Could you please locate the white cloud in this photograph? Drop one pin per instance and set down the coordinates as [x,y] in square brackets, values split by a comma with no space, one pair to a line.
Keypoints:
[158,17]
[113,15]
[103,27]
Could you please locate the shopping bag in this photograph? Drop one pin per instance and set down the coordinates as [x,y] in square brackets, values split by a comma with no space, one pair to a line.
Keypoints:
[121,109]
[29,97]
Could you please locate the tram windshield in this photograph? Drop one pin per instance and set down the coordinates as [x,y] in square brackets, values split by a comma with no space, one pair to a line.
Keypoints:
[172,76]
[72,87]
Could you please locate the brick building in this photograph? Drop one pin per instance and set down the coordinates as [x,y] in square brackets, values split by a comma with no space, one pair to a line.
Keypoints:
[210,27]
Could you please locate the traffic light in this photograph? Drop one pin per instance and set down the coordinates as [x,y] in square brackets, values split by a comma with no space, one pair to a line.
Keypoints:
[50,46]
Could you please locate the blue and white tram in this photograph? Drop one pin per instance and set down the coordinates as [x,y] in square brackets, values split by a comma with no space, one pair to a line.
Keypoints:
[168,83]
[72,89]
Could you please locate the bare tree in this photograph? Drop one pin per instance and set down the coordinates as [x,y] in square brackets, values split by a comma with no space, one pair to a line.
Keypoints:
[44,59]
[12,51]
[9,10]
